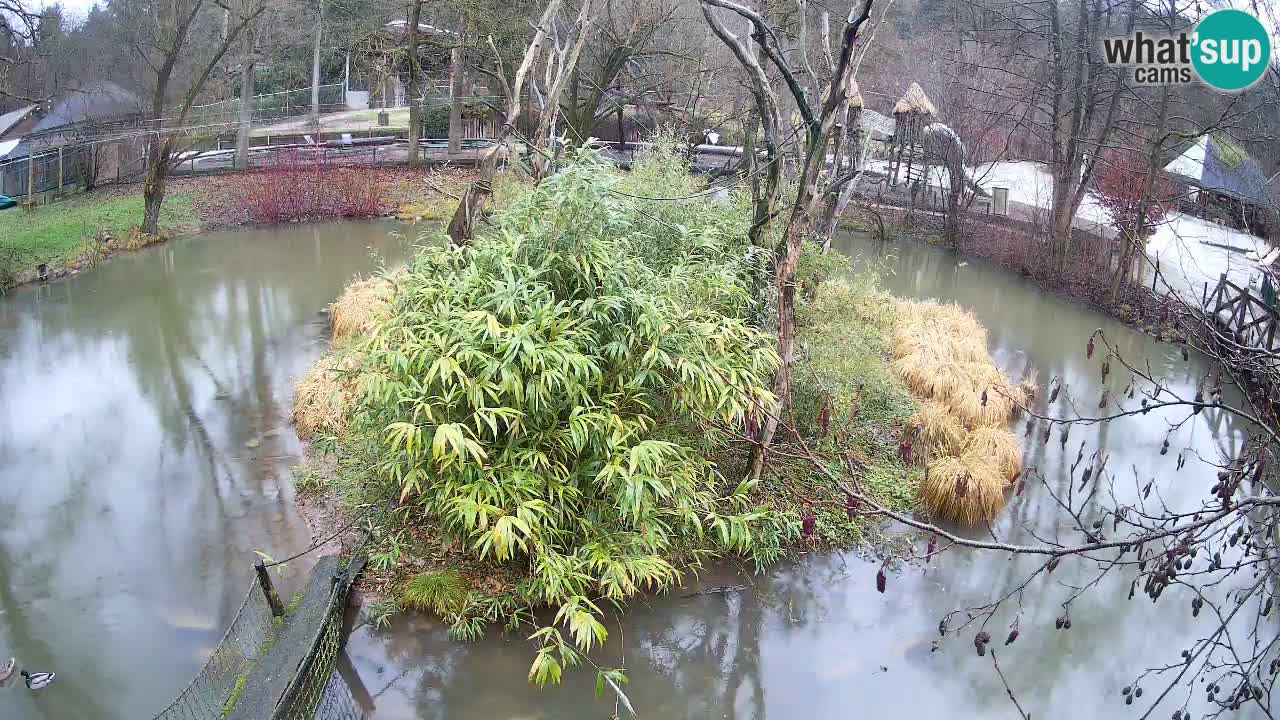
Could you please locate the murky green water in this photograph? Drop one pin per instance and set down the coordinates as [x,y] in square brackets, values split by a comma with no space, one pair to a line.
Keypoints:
[145,447]
[144,453]
[815,639]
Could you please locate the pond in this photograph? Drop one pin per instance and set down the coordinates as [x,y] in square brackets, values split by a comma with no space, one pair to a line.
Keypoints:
[145,448]
[813,638]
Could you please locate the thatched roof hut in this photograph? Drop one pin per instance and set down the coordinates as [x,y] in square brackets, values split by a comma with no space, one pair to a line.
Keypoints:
[915,102]
[854,94]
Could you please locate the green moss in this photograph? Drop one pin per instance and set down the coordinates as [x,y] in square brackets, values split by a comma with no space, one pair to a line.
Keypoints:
[1229,151]
[230,706]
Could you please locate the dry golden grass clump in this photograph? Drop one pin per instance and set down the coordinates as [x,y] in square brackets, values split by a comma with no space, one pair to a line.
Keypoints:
[937,431]
[997,446]
[362,304]
[324,397]
[964,489]
[940,352]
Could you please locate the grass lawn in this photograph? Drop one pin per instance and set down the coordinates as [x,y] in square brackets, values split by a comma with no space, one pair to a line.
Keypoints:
[52,233]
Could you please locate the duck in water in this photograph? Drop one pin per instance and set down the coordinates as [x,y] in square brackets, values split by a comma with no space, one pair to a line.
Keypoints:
[6,671]
[37,680]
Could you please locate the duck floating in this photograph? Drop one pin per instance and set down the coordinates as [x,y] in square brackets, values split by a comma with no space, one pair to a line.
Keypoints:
[37,680]
[6,670]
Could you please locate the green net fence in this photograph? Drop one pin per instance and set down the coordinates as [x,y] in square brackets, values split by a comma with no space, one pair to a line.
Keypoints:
[247,638]
[316,689]
[283,668]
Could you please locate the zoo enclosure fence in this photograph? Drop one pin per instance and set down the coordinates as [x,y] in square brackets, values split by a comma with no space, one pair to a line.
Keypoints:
[316,689]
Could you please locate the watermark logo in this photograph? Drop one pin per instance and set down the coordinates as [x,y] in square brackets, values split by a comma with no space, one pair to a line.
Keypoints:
[1229,50]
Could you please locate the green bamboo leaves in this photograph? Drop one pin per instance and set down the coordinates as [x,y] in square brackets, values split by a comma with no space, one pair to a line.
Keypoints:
[527,388]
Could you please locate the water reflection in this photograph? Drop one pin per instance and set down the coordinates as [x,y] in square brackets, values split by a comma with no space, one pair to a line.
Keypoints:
[813,638]
[145,449]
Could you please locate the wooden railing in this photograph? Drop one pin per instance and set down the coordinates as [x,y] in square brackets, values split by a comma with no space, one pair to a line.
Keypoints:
[1249,317]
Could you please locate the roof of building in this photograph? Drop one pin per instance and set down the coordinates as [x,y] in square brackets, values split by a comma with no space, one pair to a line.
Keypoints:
[854,94]
[10,119]
[1217,163]
[7,146]
[915,101]
[878,123]
[93,100]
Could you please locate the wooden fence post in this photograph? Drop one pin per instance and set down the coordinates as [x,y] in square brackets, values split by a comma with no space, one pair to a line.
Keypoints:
[31,177]
[59,169]
[269,590]
[1244,310]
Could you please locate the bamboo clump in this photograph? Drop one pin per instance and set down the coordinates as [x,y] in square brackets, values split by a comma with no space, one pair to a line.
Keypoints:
[961,432]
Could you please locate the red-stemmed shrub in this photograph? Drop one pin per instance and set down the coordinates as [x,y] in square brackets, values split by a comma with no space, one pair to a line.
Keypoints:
[1119,189]
[306,185]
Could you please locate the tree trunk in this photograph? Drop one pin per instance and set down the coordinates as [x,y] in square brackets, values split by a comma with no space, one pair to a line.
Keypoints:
[315,67]
[1134,243]
[955,195]
[785,289]
[248,73]
[415,102]
[455,101]
[153,185]
[1060,214]
[462,226]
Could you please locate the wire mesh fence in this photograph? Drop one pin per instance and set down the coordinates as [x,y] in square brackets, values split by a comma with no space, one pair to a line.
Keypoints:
[247,638]
[272,106]
[317,685]
[337,702]
[46,172]
[256,640]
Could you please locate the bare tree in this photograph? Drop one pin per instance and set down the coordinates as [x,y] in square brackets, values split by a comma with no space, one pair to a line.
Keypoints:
[561,61]
[248,74]
[456,70]
[1049,55]
[620,63]
[315,67]
[179,44]
[19,28]
[560,66]
[814,183]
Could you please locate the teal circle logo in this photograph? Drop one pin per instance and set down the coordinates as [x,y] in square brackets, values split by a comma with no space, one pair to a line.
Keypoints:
[1231,49]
